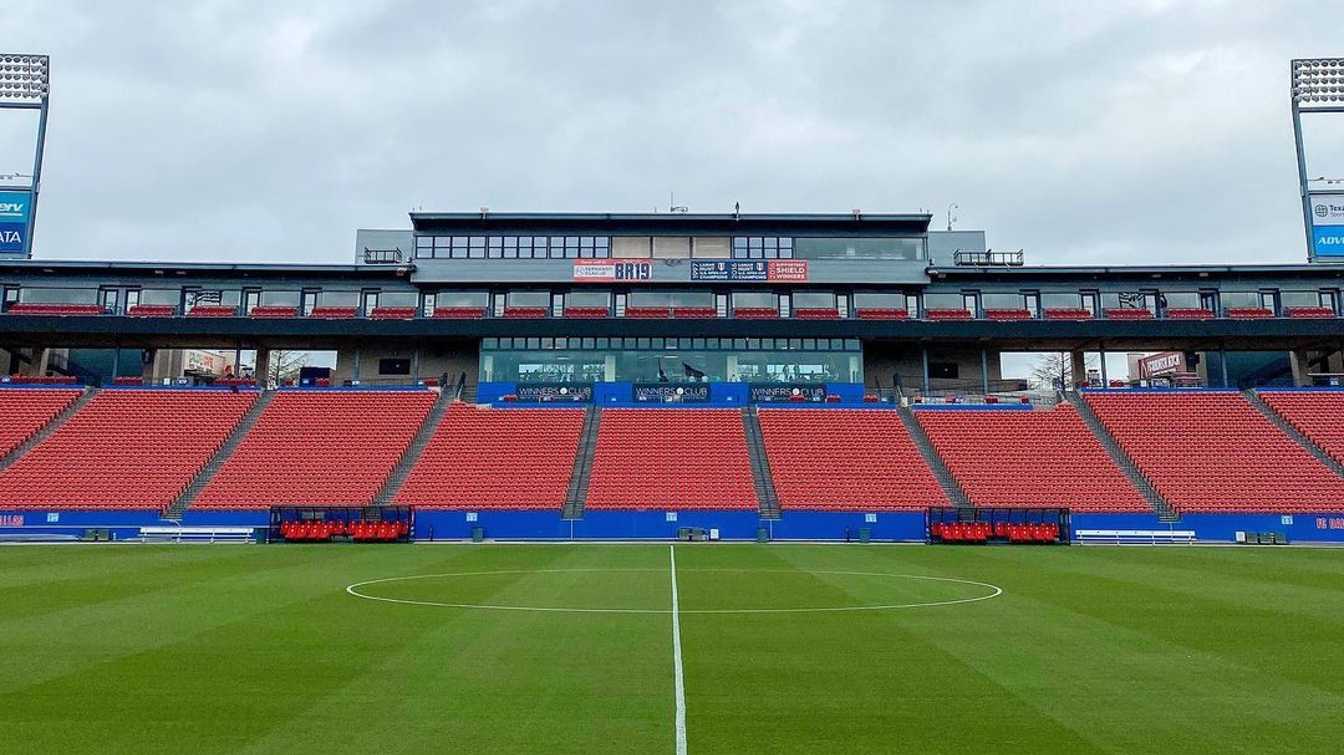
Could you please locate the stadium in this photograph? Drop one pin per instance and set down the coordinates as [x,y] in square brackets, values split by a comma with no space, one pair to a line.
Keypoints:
[621,481]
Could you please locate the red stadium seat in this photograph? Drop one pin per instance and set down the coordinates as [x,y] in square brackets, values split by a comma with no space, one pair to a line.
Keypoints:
[1212,451]
[494,458]
[151,310]
[881,313]
[1189,313]
[1008,315]
[125,449]
[525,313]
[1250,313]
[459,313]
[1068,313]
[850,459]
[275,312]
[948,314]
[1010,457]
[816,313]
[694,313]
[648,313]
[755,313]
[335,313]
[326,448]
[1315,414]
[22,308]
[587,313]
[392,313]
[202,310]
[28,410]
[1128,313]
[1309,313]
[671,459]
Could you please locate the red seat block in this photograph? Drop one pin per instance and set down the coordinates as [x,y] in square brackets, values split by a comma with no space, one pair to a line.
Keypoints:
[125,449]
[1128,313]
[648,313]
[948,314]
[151,310]
[55,309]
[525,312]
[459,313]
[755,313]
[1010,457]
[392,313]
[1067,313]
[1250,313]
[493,458]
[1008,315]
[335,313]
[881,313]
[27,410]
[694,313]
[847,459]
[326,448]
[671,459]
[201,310]
[1212,451]
[816,313]
[1310,312]
[276,312]
[587,312]
[1189,313]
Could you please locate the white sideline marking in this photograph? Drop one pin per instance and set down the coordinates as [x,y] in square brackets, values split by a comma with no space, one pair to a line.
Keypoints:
[994,592]
[676,656]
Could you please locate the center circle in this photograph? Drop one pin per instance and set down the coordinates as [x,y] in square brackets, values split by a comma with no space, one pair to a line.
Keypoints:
[718,591]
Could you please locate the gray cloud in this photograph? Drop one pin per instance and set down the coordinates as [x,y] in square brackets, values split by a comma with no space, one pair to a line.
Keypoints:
[1084,132]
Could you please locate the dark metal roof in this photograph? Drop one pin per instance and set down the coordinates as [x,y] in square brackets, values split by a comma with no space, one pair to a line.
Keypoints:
[674,222]
[197,268]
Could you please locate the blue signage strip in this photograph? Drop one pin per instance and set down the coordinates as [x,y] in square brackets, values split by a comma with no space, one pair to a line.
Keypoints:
[15,209]
[1328,240]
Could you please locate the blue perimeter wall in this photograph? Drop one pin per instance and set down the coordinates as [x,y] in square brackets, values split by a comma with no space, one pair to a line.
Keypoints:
[655,525]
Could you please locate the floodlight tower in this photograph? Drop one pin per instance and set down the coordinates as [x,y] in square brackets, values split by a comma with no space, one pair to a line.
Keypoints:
[1318,87]
[24,85]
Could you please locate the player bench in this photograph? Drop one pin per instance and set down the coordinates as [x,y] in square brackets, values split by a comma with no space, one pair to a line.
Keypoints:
[198,534]
[1146,537]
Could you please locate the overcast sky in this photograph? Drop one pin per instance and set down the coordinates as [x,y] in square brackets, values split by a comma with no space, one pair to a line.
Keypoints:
[1098,132]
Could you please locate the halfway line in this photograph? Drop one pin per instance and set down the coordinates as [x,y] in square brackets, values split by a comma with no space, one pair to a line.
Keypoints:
[676,657]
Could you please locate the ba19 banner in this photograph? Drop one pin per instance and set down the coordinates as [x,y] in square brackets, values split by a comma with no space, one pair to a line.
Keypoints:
[15,207]
[613,270]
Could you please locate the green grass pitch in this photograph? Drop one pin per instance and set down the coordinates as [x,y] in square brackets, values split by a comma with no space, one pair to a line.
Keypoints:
[203,649]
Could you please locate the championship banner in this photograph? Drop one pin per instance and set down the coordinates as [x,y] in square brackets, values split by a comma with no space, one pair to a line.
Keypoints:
[1165,363]
[15,207]
[605,271]
[1327,224]
[750,271]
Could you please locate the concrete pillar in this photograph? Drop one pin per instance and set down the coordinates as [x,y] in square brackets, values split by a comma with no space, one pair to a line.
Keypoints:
[984,371]
[147,359]
[1078,366]
[609,368]
[924,355]
[116,362]
[415,365]
[1300,364]
[1222,359]
[263,370]
[1105,378]
[41,360]
[354,369]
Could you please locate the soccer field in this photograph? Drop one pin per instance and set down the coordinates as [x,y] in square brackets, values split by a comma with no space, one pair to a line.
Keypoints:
[574,648]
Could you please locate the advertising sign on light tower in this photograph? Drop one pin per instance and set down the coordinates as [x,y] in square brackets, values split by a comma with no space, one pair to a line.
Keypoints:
[25,83]
[1318,87]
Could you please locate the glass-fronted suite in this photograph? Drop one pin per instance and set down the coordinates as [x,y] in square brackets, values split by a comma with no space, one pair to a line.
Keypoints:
[851,248]
[652,360]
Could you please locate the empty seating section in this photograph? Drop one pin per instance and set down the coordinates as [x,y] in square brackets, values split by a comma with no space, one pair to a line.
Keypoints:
[1008,315]
[151,310]
[648,313]
[27,410]
[496,459]
[1029,458]
[325,448]
[1189,313]
[334,313]
[459,313]
[1310,313]
[392,313]
[1068,313]
[1128,313]
[525,312]
[1250,313]
[816,313]
[846,459]
[281,312]
[948,314]
[212,310]
[881,313]
[125,449]
[1212,451]
[755,313]
[55,309]
[1319,415]
[586,312]
[671,459]
[695,313]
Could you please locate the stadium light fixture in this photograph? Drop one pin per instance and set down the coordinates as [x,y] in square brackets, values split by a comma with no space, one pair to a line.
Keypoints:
[25,84]
[24,79]
[1317,87]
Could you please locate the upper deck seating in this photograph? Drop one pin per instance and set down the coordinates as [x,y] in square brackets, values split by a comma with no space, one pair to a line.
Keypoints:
[279,312]
[816,313]
[212,310]
[671,459]
[1189,313]
[648,313]
[525,312]
[694,313]
[335,313]
[1008,315]
[587,312]
[1212,451]
[851,459]
[948,314]
[459,313]
[328,448]
[1250,313]
[1309,313]
[1029,458]
[125,449]
[151,310]
[1128,313]
[1068,313]
[881,313]
[392,313]
[23,308]
[27,410]
[482,458]
[755,313]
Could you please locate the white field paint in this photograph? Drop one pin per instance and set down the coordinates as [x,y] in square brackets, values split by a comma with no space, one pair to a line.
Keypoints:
[676,656]
[993,591]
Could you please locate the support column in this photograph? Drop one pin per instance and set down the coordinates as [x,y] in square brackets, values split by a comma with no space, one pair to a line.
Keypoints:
[1300,365]
[147,359]
[924,354]
[41,360]
[1222,359]
[1105,378]
[354,369]
[263,368]
[984,371]
[116,362]
[1078,366]
[415,364]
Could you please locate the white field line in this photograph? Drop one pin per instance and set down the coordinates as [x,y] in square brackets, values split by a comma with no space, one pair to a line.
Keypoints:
[676,657]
